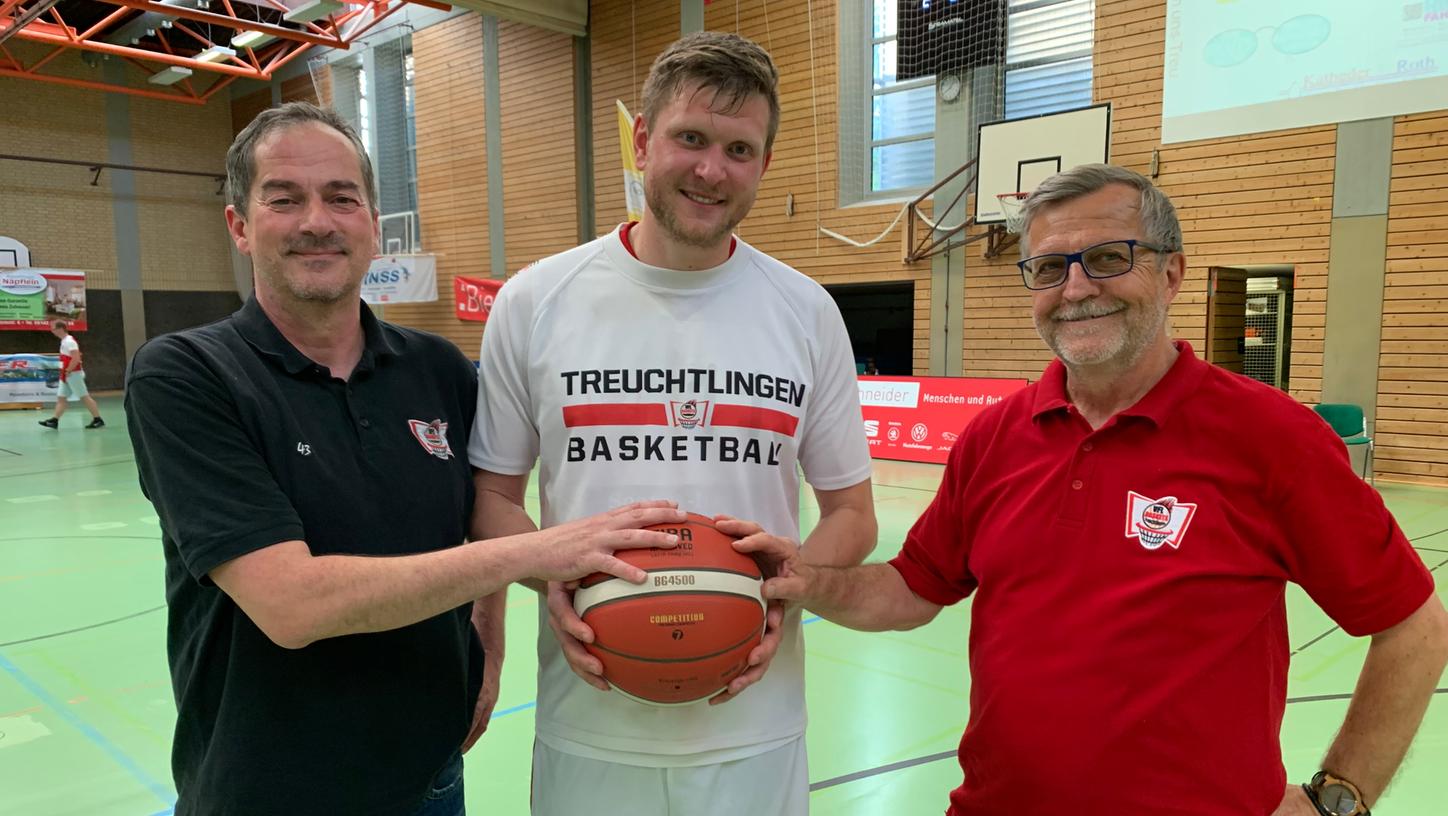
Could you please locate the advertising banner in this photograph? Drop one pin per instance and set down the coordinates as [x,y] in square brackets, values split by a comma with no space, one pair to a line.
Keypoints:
[633,177]
[401,279]
[918,419]
[31,297]
[29,377]
[473,297]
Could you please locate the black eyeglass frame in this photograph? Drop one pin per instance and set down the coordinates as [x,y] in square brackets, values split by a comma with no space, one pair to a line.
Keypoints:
[1079,258]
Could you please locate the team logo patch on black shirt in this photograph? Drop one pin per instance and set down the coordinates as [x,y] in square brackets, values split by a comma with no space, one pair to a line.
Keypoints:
[432,436]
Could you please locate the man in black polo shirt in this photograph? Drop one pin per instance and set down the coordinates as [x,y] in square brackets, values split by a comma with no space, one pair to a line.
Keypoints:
[306,463]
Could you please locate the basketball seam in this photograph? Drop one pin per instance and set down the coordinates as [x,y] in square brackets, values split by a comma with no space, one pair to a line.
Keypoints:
[691,659]
[673,593]
[653,570]
[721,582]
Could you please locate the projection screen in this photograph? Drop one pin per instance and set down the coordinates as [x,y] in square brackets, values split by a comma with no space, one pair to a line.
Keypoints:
[1246,66]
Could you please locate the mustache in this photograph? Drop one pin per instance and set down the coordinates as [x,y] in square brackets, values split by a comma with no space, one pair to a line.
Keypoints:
[1086,309]
[326,243]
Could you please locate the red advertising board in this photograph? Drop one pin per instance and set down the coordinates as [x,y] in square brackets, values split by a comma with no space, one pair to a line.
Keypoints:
[918,419]
[473,297]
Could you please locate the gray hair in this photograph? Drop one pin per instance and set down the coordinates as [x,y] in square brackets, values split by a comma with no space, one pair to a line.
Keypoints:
[1157,215]
[241,156]
[732,67]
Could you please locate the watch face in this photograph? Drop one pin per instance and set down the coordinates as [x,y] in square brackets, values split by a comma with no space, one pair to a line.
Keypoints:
[1337,799]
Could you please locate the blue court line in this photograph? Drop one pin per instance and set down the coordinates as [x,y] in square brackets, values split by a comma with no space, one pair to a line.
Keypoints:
[88,730]
[811,619]
[515,709]
[166,812]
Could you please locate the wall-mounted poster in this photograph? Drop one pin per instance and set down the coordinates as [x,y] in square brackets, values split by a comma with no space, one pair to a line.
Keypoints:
[31,297]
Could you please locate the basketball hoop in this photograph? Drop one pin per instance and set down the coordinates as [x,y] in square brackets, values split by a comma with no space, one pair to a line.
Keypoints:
[1011,210]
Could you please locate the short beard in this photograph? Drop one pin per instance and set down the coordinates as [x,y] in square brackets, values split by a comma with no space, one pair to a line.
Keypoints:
[1130,345]
[657,201]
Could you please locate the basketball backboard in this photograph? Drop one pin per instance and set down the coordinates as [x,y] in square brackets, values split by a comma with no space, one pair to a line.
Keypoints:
[1017,154]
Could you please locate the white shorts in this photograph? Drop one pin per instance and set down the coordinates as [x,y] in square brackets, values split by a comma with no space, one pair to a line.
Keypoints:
[774,783]
[73,386]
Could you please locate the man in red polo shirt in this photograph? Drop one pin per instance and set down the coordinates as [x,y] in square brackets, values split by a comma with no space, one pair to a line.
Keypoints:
[1128,525]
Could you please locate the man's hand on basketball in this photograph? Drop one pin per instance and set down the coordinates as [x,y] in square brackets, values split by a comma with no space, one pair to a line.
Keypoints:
[572,633]
[759,657]
[579,548]
[787,577]
[763,654]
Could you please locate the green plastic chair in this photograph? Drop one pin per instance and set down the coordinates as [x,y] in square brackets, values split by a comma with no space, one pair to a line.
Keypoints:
[1350,423]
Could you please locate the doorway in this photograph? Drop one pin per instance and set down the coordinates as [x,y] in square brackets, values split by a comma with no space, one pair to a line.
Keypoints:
[1249,321]
[880,318]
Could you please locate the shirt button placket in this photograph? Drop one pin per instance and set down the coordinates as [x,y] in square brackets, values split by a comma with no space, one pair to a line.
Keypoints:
[1082,467]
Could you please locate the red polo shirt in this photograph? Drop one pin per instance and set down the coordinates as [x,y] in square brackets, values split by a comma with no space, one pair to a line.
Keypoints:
[1128,641]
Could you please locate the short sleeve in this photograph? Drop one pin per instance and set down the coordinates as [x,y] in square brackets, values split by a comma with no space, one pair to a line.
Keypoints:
[212,490]
[934,559]
[833,450]
[504,436]
[1342,545]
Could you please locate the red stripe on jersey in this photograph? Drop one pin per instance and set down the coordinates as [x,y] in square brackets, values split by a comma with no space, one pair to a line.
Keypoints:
[747,416]
[618,413]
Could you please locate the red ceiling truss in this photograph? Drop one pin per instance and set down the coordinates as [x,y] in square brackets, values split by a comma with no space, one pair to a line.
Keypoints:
[188,50]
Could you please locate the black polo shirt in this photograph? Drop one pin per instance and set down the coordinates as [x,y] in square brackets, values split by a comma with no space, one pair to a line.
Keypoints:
[242,442]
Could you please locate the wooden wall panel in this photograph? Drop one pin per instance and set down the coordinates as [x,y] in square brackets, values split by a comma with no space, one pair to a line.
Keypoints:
[1412,410]
[625,37]
[540,193]
[452,170]
[244,108]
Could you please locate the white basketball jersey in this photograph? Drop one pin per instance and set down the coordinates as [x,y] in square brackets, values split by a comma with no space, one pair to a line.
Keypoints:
[711,388]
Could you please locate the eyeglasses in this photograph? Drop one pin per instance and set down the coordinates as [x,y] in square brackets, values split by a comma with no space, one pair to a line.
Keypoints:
[1101,261]
[1301,34]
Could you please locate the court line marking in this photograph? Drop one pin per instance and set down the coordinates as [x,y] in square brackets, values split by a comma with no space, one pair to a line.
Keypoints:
[868,772]
[1432,569]
[910,763]
[102,462]
[89,731]
[514,710]
[84,628]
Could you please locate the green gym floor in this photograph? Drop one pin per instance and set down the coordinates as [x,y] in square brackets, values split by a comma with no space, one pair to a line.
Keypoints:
[85,701]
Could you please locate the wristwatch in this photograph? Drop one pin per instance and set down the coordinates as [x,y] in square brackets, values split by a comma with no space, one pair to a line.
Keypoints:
[1335,796]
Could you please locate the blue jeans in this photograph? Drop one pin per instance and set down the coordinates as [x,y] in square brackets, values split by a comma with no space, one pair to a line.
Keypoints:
[445,795]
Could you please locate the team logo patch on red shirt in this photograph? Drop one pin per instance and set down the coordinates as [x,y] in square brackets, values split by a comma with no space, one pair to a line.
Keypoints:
[432,436]
[1155,522]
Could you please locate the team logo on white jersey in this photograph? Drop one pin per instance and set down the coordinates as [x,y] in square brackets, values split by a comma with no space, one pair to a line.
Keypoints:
[1155,522]
[689,414]
[432,436]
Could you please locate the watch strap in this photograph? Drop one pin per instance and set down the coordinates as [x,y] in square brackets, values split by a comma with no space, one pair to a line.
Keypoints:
[1323,778]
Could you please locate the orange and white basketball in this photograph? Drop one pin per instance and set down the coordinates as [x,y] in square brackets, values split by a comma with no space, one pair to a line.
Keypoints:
[683,634]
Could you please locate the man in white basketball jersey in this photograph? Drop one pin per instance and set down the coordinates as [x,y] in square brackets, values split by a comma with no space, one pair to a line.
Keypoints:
[670,359]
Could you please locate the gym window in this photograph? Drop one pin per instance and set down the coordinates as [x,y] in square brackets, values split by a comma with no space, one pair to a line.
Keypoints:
[887,124]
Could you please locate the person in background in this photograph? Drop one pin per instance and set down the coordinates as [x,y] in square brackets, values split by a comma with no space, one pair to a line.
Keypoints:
[72,380]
